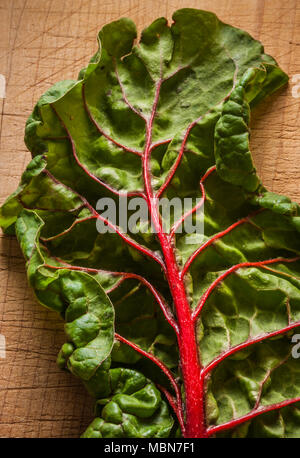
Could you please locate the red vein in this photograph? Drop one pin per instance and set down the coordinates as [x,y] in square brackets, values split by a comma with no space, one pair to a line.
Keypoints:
[231,270]
[288,310]
[66,231]
[85,169]
[196,207]
[217,236]
[102,132]
[280,272]
[83,199]
[124,93]
[177,408]
[147,150]
[151,200]
[267,375]
[155,360]
[186,135]
[178,159]
[132,243]
[125,276]
[162,304]
[246,344]
[160,142]
[116,285]
[179,69]
[115,228]
[145,251]
[254,413]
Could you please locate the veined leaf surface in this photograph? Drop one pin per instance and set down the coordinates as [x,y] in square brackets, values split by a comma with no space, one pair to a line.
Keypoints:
[202,320]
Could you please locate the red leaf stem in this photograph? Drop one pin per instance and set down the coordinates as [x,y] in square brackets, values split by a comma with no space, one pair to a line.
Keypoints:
[189,360]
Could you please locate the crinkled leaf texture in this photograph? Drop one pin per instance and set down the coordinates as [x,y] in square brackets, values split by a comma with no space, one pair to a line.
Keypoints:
[168,327]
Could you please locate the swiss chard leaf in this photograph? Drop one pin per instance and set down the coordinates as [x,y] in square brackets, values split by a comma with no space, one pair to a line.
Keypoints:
[203,318]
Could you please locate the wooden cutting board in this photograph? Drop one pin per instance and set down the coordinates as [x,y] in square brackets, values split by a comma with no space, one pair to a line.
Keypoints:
[41,42]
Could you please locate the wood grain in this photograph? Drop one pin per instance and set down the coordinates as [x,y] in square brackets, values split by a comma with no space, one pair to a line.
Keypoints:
[41,42]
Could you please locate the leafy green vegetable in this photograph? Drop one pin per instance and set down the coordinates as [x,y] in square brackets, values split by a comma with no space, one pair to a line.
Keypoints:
[132,407]
[200,319]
